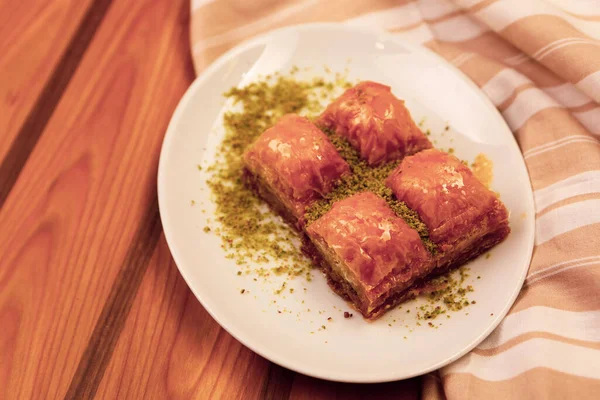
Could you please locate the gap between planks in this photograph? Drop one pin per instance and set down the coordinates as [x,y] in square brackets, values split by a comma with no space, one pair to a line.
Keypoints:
[40,114]
[111,321]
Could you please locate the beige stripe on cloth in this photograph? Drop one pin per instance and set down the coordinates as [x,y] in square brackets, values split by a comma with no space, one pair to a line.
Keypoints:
[539,62]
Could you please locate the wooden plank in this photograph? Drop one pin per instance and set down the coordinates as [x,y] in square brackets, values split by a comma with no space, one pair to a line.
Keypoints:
[278,383]
[29,132]
[171,347]
[109,325]
[68,223]
[33,37]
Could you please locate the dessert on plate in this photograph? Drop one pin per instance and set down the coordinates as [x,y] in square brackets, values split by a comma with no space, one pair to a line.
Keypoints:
[375,122]
[291,165]
[371,255]
[463,217]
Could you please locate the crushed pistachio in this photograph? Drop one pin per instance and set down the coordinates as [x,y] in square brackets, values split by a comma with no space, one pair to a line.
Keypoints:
[250,232]
[281,289]
[451,295]
[365,178]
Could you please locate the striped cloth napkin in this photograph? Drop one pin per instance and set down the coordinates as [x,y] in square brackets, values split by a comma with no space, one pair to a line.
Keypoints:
[539,63]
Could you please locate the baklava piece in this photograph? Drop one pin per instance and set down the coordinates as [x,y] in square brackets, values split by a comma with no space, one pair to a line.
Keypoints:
[375,122]
[370,255]
[463,217]
[291,165]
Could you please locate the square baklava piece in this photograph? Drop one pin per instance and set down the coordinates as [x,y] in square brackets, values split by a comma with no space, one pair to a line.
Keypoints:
[291,165]
[370,256]
[375,122]
[464,218]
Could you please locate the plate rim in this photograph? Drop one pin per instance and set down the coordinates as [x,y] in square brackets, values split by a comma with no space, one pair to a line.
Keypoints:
[257,40]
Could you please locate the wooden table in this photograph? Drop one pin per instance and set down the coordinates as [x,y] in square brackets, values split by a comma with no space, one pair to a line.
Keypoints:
[91,303]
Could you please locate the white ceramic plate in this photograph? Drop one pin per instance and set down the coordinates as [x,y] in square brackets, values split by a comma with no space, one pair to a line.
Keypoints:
[350,350]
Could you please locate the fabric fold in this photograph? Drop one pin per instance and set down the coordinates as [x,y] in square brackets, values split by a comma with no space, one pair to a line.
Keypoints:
[567,44]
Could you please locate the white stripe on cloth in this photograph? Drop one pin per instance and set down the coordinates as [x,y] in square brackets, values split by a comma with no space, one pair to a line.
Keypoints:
[433,9]
[455,29]
[560,43]
[458,29]
[590,119]
[395,17]
[527,103]
[552,144]
[581,7]
[502,85]
[503,13]
[468,3]
[538,352]
[568,43]
[563,267]
[583,325]
[557,144]
[568,95]
[251,28]
[566,219]
[591,85]
[516,60]
[576,185]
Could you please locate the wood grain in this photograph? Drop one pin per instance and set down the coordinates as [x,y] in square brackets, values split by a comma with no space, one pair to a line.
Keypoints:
[172,348]
[306,388]
[66,227]
[34,36]
[104,337]
[90,304]
[278,383]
